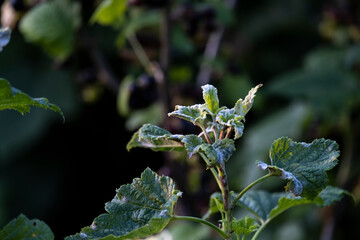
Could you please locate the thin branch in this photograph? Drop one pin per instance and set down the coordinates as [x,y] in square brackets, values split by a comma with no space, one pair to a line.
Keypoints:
[200,220]
[248,188]
[211,50]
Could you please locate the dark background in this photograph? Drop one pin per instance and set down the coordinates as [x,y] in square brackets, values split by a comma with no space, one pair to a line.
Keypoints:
[306,53]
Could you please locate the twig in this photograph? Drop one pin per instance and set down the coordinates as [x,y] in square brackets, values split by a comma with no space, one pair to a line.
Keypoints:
[211,50]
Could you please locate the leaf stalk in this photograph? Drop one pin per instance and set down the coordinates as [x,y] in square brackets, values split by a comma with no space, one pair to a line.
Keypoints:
[200,220]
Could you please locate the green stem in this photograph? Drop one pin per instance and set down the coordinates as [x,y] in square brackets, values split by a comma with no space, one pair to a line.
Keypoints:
[225,194]
[200,220]
[259,231]
[213,171]
[140,53]
[248,188]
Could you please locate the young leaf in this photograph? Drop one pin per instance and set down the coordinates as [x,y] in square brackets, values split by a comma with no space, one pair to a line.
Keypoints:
[244,226]
[211,98]
[23,228]
[218,152]
[242,107]
[52,25]
[191,143]
[4,37]
[305,165]
[229,118]
[195,113]
[140,209]
[12,98]
[156,138]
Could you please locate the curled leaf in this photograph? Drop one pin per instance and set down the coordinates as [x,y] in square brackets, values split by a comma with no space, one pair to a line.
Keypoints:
[304,164]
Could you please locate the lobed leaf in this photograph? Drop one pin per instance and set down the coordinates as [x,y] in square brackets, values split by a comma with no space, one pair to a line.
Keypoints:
[23,228]
[304,164]
[211,98]
[244,226]
[4,37]
[12,98]
[156,138]
[140,209]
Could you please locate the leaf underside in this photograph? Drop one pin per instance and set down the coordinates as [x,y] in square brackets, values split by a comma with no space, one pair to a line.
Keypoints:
[4,37]
[23,228]
[12,98]
[138,210]
[304,164]
[155,138]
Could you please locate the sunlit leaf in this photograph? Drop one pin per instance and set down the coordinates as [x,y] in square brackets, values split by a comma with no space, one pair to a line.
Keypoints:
[242,107]
[109,12]
[195,113]
[12,98]
[23,228]
[304,164]
[210,97]
[229,118]
[140,209]
[4,37]
[155,138]
[52,25]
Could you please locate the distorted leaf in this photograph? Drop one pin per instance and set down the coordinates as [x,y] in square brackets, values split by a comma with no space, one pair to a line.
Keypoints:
[195,113]
[140,209]
[304,164]
[156,138]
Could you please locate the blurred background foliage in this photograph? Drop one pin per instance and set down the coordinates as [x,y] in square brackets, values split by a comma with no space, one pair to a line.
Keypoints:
[113,65]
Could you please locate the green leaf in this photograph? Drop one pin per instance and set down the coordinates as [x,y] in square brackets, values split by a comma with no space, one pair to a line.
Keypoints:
[191,142]
[52,25]
[23,228]
[244,226]
[304,164]
[229,118]
[109,12]
[331,194]
[12,98]
[210,97]
[156,138]
[216,204]
[4,37]
[138,210]
[242,107]
[218,152]
[266,206]
[195,113]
